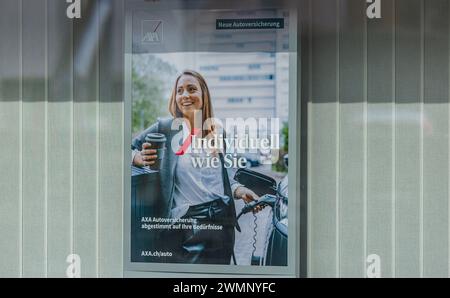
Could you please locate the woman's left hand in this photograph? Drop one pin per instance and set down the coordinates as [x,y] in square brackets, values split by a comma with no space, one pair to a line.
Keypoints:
[248,196]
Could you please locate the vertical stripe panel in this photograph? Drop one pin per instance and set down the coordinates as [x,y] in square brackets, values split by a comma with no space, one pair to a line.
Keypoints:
[59,138]
[351,137]
[33,138]
[380,141]
[322,129]
[10,205]
[408,138]
[111,61]
[85,139]
[435,139]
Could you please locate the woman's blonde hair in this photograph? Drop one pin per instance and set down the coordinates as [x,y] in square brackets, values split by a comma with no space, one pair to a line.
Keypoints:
[207,112]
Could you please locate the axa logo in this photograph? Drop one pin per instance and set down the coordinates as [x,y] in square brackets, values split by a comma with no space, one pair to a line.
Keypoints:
[152,31]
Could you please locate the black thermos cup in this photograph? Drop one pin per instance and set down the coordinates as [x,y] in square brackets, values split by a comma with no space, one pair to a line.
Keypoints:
[158,142]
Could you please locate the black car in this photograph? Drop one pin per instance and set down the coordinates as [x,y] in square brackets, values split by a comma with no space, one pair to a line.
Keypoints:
[275,196]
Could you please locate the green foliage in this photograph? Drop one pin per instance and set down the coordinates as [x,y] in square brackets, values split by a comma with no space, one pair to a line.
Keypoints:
[148,101]
[285,136]
[279,165]
[152,81]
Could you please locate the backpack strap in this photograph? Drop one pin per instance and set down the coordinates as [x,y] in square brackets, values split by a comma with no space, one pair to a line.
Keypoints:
[165,125]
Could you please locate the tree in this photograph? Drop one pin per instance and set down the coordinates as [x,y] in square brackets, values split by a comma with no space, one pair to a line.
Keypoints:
[151,85]
[279,166]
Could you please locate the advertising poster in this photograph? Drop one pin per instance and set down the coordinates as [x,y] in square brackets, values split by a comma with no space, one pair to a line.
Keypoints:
[209,146]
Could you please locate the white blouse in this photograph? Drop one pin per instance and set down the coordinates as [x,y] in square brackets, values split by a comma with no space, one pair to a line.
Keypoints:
[195,184]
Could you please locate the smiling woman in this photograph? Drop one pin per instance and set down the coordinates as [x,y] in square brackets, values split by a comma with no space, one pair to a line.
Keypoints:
[191,94]
[201,193]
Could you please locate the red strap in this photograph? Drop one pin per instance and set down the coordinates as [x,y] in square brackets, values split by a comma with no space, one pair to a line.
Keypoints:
[187,142]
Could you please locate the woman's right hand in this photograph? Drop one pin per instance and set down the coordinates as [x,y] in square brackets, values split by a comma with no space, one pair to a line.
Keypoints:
[145,157]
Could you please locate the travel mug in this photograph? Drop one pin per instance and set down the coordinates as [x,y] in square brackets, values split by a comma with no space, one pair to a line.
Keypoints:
[158,142]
